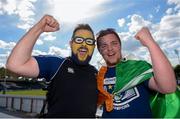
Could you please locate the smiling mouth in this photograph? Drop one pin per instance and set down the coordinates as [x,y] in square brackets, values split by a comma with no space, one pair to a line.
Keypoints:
[82,51]
[110,55]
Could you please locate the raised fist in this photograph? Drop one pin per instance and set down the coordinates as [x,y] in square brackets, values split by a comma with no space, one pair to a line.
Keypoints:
[48,24]
[144,36]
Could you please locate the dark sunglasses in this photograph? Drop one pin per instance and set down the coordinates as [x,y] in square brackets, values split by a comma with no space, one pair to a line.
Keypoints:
[88,41]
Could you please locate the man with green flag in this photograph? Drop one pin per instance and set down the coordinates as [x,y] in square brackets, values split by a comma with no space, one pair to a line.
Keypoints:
[125,86]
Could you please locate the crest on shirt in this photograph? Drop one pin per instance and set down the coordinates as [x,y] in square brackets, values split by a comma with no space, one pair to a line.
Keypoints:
[70,70]
[121,100]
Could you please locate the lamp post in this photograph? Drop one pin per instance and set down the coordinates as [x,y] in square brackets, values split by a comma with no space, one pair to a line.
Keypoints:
[177,53]
[4,90]
[5,77]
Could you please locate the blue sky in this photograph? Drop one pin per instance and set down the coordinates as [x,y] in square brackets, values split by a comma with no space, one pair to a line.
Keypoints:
[162,17]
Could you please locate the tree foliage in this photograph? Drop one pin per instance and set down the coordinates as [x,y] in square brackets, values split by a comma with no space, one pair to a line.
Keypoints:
[177,70]
[4,72]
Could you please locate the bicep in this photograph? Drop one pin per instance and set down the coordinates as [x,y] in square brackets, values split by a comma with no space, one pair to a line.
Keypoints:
[153,85]
[29,69]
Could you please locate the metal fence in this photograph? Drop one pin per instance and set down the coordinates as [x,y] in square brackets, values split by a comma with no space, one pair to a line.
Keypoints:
[31,104]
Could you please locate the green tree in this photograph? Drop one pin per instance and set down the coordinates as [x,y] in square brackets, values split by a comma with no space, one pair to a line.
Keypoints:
[177,71]
[2,72]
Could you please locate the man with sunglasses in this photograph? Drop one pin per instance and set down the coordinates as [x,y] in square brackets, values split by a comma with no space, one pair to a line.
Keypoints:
[72,89]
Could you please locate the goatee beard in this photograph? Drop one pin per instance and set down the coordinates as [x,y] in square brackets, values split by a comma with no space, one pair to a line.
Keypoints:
[85,62]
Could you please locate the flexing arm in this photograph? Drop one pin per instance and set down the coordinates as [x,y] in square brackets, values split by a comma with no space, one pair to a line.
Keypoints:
[20,60]
[164,78]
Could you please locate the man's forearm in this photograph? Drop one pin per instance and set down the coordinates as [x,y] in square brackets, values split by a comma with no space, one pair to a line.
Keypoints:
[163,71]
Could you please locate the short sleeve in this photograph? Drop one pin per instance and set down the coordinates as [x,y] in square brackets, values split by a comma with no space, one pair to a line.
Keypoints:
[48,65]
[146,83]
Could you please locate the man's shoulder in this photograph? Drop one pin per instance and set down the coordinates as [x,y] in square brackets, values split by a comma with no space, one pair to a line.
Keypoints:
[49,60]
[50,56]
[129,61]
[93,68]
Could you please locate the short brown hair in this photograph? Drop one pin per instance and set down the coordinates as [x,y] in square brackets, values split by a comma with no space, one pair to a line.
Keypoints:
[106,32]
[82,26]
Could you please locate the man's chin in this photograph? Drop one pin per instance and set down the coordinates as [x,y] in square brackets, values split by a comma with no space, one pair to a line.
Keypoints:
[81,62]
[112,64]
[82,59]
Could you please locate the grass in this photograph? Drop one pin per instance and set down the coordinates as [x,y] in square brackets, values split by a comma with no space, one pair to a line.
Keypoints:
[38,92]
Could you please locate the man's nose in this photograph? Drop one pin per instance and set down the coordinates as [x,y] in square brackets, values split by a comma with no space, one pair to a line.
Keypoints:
[84,43]
[109,47]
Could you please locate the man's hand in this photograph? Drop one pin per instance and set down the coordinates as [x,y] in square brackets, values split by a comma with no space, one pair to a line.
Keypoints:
[144,36]
[48,24]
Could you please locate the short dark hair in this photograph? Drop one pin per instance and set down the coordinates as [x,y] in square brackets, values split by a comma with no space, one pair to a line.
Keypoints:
[104,32]
[84,27]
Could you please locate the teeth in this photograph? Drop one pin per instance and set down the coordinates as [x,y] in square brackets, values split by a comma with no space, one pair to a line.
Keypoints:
[110,54]
[83,50]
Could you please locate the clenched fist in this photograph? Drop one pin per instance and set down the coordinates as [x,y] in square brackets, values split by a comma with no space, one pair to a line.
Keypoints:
[144,36]
[48,24]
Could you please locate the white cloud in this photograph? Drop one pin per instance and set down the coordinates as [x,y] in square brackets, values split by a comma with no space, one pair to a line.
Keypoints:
[48,36]
[38,52]
[24,9]
[166,33]
[137,22]
[131,46]
[121,22]
[125,36]
[66,11]
[177,2]
[170,45]
[71,11]
[2,65]
[8,6]
[157,8]
[169,27]
[23,25]
[169,11]
[39,42]
[59,51]
[3,59]
[151,16]
[5,45]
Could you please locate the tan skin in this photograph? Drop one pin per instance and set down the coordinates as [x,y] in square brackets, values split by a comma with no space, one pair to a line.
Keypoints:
[110,50]
[164,79]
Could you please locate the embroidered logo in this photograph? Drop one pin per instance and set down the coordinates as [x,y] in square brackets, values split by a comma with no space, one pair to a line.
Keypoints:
[70,70]
[109,80]
[122,100]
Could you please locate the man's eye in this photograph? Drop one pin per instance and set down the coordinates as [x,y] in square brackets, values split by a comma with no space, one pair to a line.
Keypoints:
[114,43]
[89,41]
[79,40]
[103,46]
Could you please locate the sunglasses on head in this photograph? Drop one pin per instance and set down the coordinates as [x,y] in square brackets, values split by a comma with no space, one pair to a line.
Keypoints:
[88,41]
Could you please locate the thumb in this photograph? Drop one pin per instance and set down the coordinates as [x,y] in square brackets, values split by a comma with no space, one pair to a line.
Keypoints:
[137,37]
